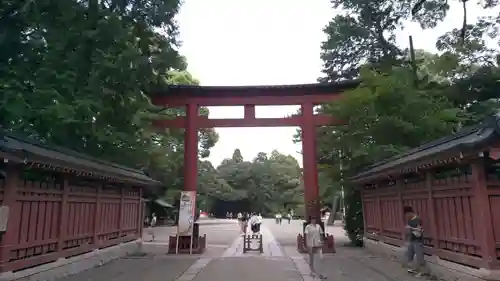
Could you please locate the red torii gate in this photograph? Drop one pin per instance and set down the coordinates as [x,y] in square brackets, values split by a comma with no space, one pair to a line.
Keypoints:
[306,95]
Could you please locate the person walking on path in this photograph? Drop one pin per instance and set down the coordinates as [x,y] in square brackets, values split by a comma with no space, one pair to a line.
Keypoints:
[152,224]
[314,243]
[244,223]
[278,218]
[239,216]
[255,222]
[414,242]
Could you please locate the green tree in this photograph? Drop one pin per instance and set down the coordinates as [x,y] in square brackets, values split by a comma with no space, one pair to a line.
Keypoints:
[387,114]
[365,33]
[270,182]
[75,73]
[78,74]
[396,108]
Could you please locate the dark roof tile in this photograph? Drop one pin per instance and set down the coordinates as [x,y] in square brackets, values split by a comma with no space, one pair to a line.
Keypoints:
[34,150]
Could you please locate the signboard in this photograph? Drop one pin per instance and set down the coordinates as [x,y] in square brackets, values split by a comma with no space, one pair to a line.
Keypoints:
[187,206]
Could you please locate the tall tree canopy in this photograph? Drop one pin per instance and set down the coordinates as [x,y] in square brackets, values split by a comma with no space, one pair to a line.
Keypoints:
[78,74]
[271,182]
[401,103]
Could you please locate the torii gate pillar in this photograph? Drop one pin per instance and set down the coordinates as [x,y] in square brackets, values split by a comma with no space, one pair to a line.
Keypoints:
[310,165]
[191,148]
[189,244]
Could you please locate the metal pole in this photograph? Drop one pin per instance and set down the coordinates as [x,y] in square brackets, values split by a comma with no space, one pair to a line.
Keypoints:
[342,198]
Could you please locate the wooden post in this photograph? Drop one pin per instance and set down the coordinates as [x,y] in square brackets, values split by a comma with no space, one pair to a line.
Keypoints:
[97,216]
[261,247]
[432,212]
[482,212]
[120,211]
[244,243]
[400,186]
[379,210]
[13,176]
[249,112]
[63,214]
[140,214]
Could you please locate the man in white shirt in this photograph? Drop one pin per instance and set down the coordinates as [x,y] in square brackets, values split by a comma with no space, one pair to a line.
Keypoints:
[278,218]
[255,223]
[314,243]
[240,217]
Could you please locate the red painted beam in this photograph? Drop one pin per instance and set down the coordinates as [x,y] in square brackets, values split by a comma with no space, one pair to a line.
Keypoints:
[295,121]
[241,101]
[249,111]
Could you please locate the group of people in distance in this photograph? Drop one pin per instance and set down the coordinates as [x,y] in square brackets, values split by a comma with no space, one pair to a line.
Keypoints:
[253,219]
[279,218]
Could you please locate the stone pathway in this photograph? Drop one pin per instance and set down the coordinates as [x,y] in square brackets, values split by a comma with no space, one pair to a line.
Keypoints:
[271,246]
[249,269]
[225,260]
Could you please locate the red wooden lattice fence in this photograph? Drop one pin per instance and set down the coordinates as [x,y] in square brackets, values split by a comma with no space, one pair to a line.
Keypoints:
[451,202]
[54,215]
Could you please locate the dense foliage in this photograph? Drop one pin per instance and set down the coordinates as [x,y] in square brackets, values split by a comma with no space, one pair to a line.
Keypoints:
[271,182]
[77,74]
[401,103]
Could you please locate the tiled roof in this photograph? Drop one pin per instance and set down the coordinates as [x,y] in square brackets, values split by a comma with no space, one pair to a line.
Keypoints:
[31,151]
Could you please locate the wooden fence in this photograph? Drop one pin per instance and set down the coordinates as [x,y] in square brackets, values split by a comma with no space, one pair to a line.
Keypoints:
[457,204]
[54,215]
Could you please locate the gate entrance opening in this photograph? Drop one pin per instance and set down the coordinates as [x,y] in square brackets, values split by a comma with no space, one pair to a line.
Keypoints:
[220,207]
[306,96]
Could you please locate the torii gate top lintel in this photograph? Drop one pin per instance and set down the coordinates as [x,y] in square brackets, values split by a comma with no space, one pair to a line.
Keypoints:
[258,90]
[180,95]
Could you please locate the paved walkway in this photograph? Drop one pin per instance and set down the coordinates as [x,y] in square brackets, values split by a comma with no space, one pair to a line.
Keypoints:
[224,259]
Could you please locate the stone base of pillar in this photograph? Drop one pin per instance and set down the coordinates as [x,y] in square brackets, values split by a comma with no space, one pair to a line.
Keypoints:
[198,247]
[328,246]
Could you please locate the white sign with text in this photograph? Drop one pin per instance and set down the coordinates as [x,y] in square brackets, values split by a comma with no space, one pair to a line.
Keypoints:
[187,207]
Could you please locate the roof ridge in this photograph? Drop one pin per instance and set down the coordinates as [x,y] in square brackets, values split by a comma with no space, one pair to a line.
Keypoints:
[5,135]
